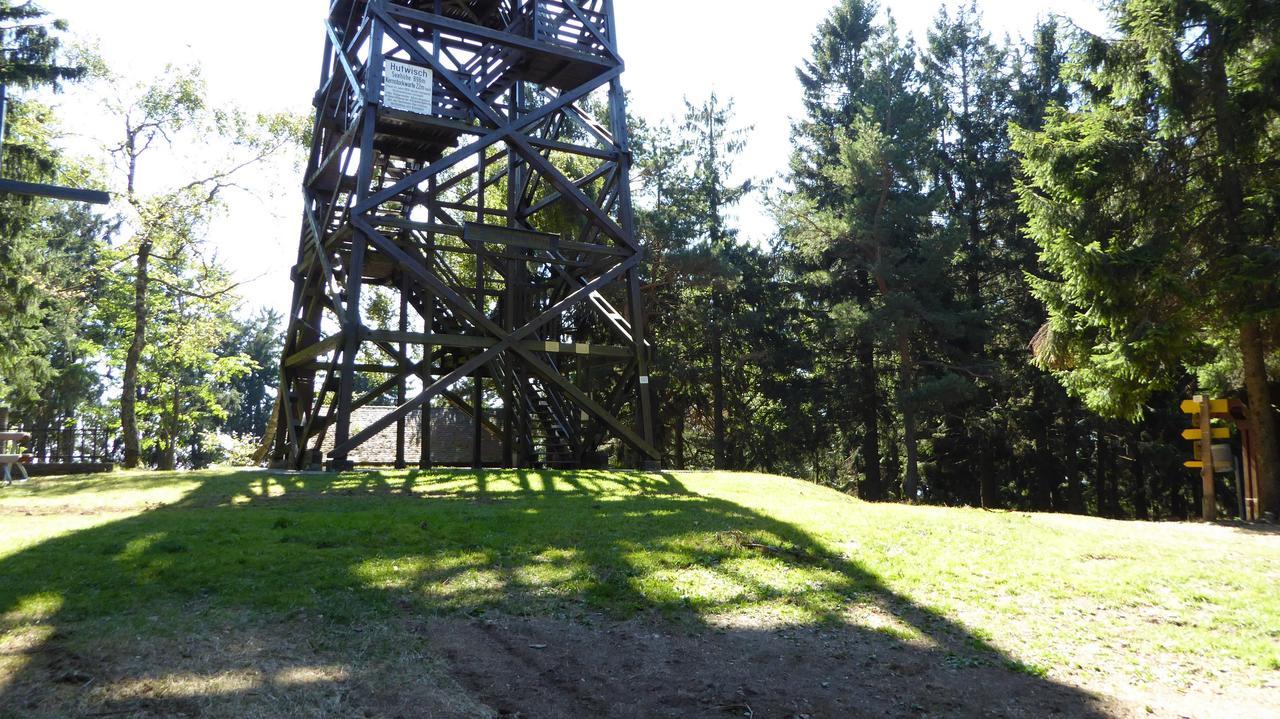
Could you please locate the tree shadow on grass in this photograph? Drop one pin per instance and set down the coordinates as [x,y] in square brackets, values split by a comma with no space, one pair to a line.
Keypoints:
[546,594]
[1248,528]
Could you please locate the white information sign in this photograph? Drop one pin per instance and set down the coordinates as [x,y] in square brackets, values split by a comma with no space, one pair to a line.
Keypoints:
[407,87]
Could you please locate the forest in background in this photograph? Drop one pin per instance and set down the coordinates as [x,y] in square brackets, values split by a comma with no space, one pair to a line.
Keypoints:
[998,268]
[1000,264]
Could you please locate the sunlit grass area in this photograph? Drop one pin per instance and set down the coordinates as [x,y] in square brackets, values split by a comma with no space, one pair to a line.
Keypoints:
[1086,601]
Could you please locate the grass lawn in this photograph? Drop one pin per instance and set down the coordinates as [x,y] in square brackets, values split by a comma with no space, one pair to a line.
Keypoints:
[256,594]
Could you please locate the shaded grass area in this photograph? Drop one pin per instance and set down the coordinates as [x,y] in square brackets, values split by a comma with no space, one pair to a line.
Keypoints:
[520,542]
[91,562]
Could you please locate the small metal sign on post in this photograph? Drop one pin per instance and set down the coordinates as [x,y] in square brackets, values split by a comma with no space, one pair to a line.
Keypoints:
[407,87]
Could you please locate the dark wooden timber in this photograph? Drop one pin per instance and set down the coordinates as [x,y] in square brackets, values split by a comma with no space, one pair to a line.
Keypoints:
[35,189]
[17,187]
[494,226]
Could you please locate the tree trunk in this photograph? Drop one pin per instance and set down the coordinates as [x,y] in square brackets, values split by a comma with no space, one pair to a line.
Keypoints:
[872,489]
[1040,473]
[1109,480]
[717,386]
[1178,499]
[1197,499]
[129,382]
[1232,195]
[1100,474]
[169,457]
[894,460]
[1071,452]
[985,446]
[911,476]
[988,487]
[1262,416]
[1140,504]
[679,439]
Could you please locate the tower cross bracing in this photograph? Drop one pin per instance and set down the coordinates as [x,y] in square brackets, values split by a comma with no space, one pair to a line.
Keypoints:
[468,238]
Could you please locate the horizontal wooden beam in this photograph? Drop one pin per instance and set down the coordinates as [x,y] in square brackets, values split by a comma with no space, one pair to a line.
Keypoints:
[306,355]
[474,342]
[470,30]
[31,189]
[493,234]
[370,368]
[575,149]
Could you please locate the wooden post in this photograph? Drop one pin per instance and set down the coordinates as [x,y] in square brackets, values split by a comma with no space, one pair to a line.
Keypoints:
[477,400]
[1209,505]
[401,386]
[1249,500]
[1241,490]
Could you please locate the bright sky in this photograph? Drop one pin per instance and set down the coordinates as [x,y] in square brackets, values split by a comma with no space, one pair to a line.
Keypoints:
[264,55]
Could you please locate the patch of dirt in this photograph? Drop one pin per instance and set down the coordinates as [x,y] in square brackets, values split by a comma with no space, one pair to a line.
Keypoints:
[63,510]
[541,668]
[241,669]
[503,667]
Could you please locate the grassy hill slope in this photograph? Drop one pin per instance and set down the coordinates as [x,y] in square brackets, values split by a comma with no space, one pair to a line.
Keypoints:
[560,594]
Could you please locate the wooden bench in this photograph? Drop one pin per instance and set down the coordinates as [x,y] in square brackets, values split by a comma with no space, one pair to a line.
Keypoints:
[9,461]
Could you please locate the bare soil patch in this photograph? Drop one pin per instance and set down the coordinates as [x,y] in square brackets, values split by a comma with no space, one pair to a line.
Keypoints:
[241,669]
[498,666]
[539,668]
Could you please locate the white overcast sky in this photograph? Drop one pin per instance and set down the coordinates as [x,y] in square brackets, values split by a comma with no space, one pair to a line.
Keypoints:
[264,55]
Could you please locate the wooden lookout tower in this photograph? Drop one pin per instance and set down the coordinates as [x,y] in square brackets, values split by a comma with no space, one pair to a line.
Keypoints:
[468,239]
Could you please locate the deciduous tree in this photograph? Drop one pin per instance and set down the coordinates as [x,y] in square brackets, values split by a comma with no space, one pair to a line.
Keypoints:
[164,246]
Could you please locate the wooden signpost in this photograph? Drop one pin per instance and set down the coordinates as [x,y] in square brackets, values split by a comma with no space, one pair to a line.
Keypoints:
[1195,434]
[1203,411]
[1204,414]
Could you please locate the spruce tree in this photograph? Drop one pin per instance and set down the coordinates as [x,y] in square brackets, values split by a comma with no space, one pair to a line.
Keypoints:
[1155,207]
[666,223]
[33,299]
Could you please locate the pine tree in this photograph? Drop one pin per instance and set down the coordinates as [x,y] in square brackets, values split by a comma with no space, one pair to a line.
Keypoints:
[866,221]
[666,222]
[831,79]
[714,144]
[249,398]
[32,43]
[969,79]
[693,274]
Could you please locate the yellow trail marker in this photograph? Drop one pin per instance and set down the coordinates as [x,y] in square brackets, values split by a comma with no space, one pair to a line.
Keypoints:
[1217,406]
[1193,465]
[1195,435]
